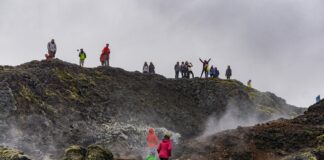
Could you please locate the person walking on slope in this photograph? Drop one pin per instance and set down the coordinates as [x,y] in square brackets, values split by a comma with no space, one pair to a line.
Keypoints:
[146,68]
[190,70]
[152,142]
[51,47]
[82,56]
[205,67]
[106,54]
[228,72]
[151,68]
[177,70]
[165,148]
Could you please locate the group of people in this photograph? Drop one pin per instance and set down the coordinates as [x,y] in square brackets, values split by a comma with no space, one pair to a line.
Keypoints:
[164,148]
[185,69]
[104,57]
[148,68]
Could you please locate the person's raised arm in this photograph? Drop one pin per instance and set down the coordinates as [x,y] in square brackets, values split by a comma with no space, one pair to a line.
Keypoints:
[201,60]
[209,60]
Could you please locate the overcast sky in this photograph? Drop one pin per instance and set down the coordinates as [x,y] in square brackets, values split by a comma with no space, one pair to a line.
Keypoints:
[279,44]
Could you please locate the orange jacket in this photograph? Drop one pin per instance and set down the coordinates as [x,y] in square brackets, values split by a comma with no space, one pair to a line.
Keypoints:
[152,139]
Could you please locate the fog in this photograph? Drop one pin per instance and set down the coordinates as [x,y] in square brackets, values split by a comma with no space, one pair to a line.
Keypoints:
[276,43]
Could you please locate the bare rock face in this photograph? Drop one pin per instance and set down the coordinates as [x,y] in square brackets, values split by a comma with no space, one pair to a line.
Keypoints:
[47,106]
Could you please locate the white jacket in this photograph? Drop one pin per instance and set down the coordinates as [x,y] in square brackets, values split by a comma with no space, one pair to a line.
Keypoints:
[51,47]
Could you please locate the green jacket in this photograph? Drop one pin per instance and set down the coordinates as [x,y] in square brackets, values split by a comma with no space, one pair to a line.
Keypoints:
[151,158]
[82,56]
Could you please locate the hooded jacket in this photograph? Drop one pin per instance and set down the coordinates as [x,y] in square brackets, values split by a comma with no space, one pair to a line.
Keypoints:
[152,139]
[165,148]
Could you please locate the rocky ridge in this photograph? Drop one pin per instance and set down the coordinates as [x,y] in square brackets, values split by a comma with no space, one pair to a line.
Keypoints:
[48,106]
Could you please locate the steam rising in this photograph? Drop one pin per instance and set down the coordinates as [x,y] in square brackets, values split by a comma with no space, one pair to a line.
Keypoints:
[232,118]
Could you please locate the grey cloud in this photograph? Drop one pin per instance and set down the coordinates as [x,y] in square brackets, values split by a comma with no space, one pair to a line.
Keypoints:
[276,43]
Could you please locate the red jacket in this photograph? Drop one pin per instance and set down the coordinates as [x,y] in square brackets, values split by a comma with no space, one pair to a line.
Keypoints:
[152,139]
[106,50]
[102,57]
[165,148]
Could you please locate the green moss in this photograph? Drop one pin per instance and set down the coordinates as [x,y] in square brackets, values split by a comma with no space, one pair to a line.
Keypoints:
[320,140]
[266,110]
[75,152]
[49,92]
[252,95]
[97,153]
[309,156]
[62,75]
[320,148]
[11,154]
[73,95]
[26,93]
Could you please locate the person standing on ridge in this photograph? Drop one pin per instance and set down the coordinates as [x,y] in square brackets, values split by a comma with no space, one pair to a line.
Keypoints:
[249,83]
[182,67]
[146,68]
[185,70]
[82,56]
[177,70]
[165,148]
[228,72]
[190,70]
[106,54]
[152,142]
[51,47]
[318,98]
[151,68]
[102,59]
[205,67]
[212,71]
[216,72]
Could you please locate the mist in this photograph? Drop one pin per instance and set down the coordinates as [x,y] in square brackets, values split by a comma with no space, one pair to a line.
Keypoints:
[235,117]
[277,44]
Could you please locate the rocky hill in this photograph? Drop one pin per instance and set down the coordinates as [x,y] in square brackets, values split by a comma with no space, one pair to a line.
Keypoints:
[48,106]
[301,138]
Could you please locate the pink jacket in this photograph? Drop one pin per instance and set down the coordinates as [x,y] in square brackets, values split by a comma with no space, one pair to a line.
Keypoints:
[165,148]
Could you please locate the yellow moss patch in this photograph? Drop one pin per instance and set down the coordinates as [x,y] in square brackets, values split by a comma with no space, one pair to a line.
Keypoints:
[7,154]
[320,140]
[266,110]
[27,93]
[309,156]
[49,92]
[62,75]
